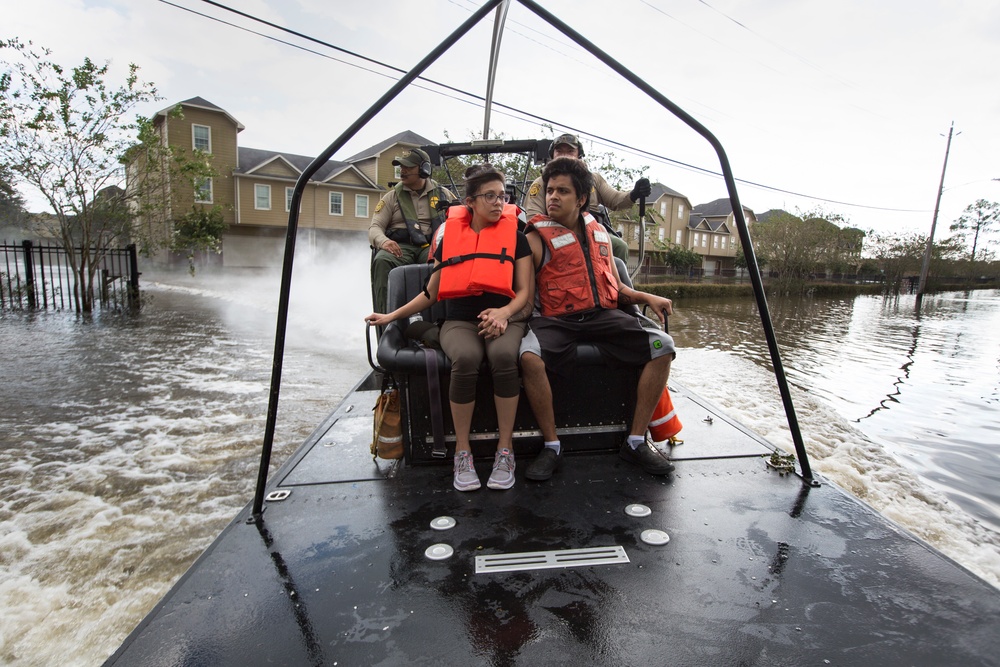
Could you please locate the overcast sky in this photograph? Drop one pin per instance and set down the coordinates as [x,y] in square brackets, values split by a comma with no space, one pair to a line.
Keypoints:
[847,101]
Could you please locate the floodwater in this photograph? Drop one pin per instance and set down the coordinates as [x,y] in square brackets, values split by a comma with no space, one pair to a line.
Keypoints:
[127,444]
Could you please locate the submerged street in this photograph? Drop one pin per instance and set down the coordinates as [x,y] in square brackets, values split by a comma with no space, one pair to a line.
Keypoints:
[126,445]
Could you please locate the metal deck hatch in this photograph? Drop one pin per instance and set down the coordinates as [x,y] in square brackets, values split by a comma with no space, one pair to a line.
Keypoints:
[547,560]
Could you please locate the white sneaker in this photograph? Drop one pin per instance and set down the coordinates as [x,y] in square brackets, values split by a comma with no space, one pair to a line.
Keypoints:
[466,478]
[502,476]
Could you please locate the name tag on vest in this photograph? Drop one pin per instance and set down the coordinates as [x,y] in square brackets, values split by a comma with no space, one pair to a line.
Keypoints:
[602,237]
[563,240]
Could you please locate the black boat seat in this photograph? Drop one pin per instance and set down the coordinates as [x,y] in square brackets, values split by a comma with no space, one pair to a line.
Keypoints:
[592,407]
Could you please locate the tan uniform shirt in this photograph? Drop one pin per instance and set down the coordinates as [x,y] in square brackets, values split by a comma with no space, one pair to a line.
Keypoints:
[602,193]
[389,216]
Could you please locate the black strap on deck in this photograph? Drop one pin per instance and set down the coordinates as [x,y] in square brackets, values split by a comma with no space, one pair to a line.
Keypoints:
[440,450]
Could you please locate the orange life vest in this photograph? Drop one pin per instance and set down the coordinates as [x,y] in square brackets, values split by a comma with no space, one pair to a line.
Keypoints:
[575,279]
[665,424]
[473,263]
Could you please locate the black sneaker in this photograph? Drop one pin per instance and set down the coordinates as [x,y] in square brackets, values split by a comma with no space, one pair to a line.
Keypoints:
[544,465]
[647,457]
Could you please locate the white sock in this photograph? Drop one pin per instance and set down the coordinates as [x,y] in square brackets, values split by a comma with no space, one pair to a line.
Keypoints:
[554,445]
[635,440]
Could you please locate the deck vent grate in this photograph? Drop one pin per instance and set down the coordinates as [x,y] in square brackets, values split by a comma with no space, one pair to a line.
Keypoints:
[547,560]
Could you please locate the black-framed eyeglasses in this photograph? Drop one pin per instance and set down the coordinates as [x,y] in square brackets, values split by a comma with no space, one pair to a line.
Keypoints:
[492,197]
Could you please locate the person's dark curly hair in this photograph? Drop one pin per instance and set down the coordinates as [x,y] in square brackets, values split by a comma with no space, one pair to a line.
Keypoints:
[577,172]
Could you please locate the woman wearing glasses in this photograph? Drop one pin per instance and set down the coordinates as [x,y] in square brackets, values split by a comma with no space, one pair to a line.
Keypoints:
[483,271]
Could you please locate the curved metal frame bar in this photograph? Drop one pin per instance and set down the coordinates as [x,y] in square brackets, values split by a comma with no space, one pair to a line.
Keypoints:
[293,225]
[741,223]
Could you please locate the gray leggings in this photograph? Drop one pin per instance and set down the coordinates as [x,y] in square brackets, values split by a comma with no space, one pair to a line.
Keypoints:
[462,343]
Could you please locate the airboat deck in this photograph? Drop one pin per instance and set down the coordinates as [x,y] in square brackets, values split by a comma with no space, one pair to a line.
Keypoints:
[759,568]
[341,560]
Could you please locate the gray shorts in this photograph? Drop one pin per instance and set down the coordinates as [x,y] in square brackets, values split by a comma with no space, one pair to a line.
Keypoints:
[615,333]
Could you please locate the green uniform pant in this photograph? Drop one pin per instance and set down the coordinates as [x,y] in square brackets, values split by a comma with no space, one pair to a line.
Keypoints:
[385,262]
[619,248]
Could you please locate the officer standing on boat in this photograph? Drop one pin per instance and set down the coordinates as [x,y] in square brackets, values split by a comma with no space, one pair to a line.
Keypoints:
[568,145]
[405,220]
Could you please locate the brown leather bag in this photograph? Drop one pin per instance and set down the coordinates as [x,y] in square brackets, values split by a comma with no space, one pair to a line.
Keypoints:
[387,436]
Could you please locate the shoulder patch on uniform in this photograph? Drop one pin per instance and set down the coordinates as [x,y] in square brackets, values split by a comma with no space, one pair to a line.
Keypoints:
[379,205]
[434,202]
[535,189]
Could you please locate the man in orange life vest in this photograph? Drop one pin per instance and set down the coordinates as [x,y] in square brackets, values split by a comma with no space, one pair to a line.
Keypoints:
[569,247]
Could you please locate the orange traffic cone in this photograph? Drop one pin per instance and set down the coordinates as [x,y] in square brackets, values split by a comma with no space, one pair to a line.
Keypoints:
[665,423]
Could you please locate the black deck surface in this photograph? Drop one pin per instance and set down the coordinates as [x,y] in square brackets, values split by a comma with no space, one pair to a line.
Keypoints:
[758,570]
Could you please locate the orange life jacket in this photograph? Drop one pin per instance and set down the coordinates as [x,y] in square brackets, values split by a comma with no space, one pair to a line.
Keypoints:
[665,424]
[473,263]
[575,278]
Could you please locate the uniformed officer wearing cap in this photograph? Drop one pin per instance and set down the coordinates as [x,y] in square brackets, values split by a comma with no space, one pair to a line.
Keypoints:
[568,145]
[405,220]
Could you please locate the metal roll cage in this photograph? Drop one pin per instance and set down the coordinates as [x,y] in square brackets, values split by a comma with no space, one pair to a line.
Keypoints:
[502,6]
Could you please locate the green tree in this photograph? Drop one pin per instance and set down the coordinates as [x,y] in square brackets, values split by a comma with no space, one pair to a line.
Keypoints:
[793,247]
[623,178]
[12,211]
[680,258]
[801,246]
[900,257]
[977,217]
[198,230]
[67,134]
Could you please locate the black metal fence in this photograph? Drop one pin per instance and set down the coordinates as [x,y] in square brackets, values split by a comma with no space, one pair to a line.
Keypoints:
[39,276]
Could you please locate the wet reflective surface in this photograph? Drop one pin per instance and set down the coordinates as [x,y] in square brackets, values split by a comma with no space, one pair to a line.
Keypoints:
[127,445]
[923,384]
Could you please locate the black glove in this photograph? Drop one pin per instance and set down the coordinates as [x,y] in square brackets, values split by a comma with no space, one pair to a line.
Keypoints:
[641,189]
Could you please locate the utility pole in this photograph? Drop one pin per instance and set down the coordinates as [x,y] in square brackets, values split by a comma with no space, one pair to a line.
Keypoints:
[930,239]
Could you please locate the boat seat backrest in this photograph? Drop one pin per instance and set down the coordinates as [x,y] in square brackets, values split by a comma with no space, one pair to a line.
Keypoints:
[398,354]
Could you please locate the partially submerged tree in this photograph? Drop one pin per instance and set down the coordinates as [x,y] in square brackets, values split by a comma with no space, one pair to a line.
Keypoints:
[900,257]
[200,228]
[806,245]
[976,219]
[679,258]
[68,135]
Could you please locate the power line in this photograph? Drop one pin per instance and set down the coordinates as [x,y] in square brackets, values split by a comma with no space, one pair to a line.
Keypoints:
[480,101]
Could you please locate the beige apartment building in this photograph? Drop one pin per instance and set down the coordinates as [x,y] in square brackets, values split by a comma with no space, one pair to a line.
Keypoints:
[254,186]
[707,229]
[712,233]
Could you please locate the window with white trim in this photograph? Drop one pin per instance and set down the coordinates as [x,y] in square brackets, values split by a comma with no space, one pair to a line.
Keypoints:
[704,240]
[661,233]
[203,191]
[288,199]
[360,206]
[715,242]
[262,197]
[201,138]
[680,211]
[336,203]
[677,238]
[722,243]
[397,172]
[663,209]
